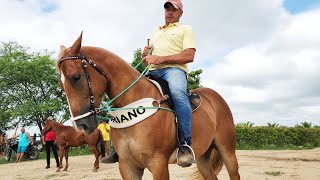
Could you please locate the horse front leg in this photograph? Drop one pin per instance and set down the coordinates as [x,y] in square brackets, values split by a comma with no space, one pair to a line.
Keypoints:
[158,167]
[128,171]
[96,153]
[66,155]
[61,152]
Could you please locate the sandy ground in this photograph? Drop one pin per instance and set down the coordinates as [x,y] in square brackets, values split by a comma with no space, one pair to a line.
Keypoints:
[254,165]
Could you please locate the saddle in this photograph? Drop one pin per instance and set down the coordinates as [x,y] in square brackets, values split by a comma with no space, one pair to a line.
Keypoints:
[162,85]
[194,99]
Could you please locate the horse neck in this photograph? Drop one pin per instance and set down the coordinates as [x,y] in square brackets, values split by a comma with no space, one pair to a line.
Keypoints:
[121,75]
[56,127]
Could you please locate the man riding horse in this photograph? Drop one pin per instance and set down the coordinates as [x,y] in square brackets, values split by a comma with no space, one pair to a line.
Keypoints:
[173,46]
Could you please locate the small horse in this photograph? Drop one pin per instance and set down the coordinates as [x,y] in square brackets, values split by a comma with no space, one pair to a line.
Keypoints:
[86,73]
[68,137]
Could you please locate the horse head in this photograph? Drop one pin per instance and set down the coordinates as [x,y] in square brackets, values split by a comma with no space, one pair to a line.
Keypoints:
[76,74]
[47,127]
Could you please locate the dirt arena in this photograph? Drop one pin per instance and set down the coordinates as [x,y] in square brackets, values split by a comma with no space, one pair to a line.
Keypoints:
[254,165]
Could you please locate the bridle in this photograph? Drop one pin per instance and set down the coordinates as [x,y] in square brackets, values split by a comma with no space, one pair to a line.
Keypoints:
[85,61]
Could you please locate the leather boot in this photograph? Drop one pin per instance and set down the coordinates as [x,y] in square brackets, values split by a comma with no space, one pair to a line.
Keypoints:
[185,156]
[113,158]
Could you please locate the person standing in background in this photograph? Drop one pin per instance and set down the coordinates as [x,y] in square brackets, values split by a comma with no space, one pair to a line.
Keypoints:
[24,140]
[49,141]
[104,128]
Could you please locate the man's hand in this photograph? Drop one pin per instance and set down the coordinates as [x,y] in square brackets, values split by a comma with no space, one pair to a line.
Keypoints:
[153,59]
[146,51]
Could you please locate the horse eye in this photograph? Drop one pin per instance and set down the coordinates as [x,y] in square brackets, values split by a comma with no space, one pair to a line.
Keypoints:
[76,78]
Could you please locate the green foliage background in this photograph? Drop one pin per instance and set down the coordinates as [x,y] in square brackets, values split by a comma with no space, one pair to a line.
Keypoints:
[29,87]
[277,137]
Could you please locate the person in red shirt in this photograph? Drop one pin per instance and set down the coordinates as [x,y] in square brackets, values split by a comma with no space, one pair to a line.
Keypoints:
[48,140]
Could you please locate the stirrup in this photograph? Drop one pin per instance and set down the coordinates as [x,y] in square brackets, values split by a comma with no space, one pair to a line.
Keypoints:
[185,147]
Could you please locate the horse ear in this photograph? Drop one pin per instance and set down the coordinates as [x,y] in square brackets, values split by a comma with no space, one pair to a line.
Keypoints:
[75,48]
[62,47]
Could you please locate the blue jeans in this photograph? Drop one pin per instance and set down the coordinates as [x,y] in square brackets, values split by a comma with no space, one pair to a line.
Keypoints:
[177,81]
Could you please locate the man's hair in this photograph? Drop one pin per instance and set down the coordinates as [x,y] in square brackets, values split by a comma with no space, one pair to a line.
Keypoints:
[105,120]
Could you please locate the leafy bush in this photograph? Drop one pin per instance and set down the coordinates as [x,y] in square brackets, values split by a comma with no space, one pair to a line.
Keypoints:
[277,137]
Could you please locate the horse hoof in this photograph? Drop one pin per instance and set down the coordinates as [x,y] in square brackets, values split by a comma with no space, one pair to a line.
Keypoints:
[64,169]
[58,170]
[95,170]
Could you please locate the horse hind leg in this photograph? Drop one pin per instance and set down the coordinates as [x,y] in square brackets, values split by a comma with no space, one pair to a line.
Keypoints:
[66,156]
[230,160]
[61,153]
[226,144]
[209,165]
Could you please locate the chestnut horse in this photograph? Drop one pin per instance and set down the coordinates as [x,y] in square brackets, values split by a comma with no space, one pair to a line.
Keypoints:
[89,72]
[68,137]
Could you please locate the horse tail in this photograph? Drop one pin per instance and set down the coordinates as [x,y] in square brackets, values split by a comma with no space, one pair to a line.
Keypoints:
[215,161]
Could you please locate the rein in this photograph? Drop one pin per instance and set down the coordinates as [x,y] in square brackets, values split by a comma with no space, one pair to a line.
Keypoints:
[106,106]
[134,82]
[125,90]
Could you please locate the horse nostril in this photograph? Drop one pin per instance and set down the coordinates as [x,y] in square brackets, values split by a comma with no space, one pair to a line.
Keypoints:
[83,127]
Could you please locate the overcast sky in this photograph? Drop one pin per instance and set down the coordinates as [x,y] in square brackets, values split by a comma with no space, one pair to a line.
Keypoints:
[262,56]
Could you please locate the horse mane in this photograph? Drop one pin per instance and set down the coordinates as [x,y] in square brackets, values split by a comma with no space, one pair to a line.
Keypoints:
[60,55]
[93,50]
[54,123]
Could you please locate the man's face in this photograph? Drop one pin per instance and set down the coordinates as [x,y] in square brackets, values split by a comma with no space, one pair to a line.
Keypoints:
[172,14]
[22,130]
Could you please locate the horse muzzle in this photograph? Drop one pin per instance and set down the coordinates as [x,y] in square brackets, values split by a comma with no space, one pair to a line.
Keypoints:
[87,124]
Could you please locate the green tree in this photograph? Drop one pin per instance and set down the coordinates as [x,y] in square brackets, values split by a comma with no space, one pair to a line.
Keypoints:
[316,126]
[304,124]
[194,79]
[273,125]
[137,59]
[245,124]
[29,87]
[193,76]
